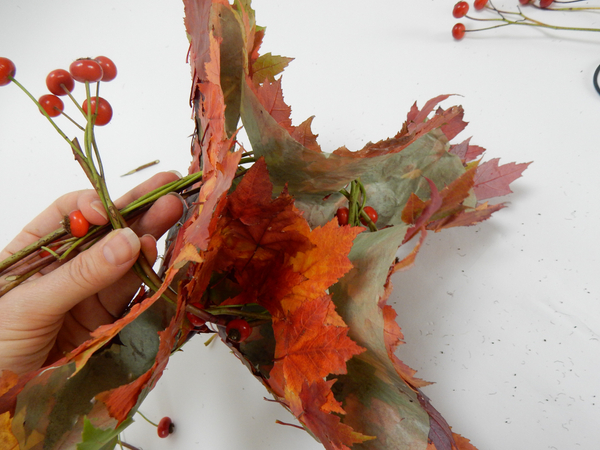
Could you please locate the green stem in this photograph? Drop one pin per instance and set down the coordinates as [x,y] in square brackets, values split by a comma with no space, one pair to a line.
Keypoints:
[238,312]
[131,210]
[26,251]
[146,419]
[69,118]
[528,21]
[21,278]
[173,186]
[247,160]
[126,445]
[56,127]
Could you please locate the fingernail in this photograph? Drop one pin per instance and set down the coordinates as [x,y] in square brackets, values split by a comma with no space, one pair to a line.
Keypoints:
[121,246]
[99,208]
[176,173]
[149,236]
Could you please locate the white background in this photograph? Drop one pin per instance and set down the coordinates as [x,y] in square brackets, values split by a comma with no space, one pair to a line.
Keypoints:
[503,316]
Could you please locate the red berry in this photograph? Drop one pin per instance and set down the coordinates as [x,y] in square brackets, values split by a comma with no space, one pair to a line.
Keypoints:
[7,71]
[342,215]
[86,70]
[196,321]
[59,77]
[545,3]
[238,330]
[460,10]
[370,211]
[165,427]
[524,2]
[51,104]
[103,110]
[109,70]
[479,4]
[76,224]
[458,31]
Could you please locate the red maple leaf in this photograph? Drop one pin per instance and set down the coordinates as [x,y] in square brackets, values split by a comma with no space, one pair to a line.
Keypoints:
[465,151]
[270,96]
[492,180]
[304,135]
[467,217]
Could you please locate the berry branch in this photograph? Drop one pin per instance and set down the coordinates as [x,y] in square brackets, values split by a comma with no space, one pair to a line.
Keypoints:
[505,18]
[357,212]
[96,112]
[58,245]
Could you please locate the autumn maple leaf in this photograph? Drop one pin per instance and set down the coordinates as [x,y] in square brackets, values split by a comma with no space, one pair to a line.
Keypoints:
[314,406]
[312,342]
[492,180]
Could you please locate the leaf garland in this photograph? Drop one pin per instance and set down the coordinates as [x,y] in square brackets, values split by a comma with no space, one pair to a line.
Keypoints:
[263,243]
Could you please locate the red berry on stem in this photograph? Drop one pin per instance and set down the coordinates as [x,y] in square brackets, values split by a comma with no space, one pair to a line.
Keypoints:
[342,215]
[59,77]
[76,224]
[109,70]
[165,427]
[460,10]
[238,330]
[51,104]
[196,321]
[103,110]
[7,71]
[370,211]
[545,3]
[458,31]
[479,4]
[86,70]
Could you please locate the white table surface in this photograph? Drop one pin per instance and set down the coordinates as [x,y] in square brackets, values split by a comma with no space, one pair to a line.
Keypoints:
[503,316]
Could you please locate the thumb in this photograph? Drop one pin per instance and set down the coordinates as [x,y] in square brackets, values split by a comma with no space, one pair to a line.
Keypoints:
[88,273]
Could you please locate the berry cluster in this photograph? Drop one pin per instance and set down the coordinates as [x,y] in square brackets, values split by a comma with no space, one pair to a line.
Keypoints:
[95,109]
[503,18]
[357,212]
[343,215]
[85,70]
[61,82]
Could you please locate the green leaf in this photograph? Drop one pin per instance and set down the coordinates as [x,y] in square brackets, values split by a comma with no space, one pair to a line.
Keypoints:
[93,438]
[376,398]
[267,66]
[233,60]
[390,170]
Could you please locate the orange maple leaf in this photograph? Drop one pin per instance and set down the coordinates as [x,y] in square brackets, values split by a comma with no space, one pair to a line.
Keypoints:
[324,264]
[310,345]
[314,405]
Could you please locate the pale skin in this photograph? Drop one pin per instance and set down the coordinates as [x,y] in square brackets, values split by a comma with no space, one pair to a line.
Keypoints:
[53,313]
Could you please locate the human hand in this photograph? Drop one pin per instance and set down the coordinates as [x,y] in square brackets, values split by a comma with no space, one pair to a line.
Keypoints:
[54,312]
